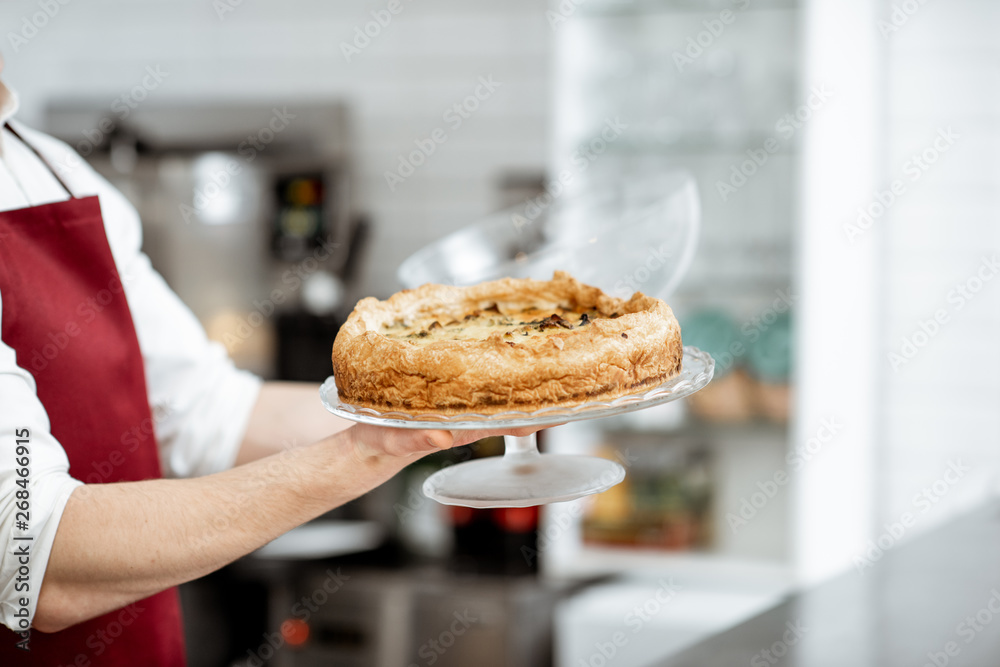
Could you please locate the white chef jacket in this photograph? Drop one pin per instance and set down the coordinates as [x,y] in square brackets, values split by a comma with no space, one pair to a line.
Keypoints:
[200,402]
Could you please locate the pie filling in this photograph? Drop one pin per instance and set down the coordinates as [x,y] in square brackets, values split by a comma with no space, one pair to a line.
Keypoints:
[481,324]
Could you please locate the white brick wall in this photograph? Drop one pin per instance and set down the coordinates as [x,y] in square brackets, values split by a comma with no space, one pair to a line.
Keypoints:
[425,60]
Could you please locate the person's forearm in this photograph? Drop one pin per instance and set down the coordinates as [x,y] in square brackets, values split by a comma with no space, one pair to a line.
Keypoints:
[286,414]
[118,543]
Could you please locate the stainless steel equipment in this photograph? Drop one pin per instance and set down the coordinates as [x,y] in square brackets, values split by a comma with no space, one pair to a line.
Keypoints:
[405,618]
[246,208]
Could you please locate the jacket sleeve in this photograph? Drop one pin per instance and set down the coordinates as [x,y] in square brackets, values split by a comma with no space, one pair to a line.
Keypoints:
[24,422]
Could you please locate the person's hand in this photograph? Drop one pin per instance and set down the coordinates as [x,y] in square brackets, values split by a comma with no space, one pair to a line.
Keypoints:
[409,444]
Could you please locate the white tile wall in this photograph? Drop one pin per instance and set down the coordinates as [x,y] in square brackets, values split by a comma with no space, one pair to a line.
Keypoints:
[942,71]
[945,403]
[429,57]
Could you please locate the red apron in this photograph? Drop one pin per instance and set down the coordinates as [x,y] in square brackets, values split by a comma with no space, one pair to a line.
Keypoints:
[65,314]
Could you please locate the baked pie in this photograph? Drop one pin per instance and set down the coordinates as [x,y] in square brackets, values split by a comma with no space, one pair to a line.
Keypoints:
[510,344]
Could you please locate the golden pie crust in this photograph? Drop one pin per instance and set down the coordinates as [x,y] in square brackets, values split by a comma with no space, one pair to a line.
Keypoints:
[510,344]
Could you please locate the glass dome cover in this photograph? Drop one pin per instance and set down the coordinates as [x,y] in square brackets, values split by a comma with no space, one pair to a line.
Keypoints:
[629,235]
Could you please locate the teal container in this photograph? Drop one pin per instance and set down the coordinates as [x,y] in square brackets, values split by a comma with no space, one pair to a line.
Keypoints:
[715,332]
[769,358]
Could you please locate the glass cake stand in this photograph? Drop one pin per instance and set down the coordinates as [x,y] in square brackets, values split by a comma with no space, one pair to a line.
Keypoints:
[522,476]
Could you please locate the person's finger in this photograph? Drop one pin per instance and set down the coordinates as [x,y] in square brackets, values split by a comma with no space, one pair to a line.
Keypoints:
[465,437]
[376,440]
[440,439]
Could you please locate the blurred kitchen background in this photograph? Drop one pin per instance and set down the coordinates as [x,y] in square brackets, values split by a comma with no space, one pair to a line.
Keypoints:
[269,147]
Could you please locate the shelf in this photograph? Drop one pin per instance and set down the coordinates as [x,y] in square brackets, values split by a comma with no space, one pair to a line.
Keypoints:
[695,143]
[627,8]
[701,145]
[725,571]
[732,285]
[711,431]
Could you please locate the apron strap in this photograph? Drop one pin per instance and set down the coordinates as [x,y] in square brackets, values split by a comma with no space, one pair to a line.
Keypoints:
[42,158]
